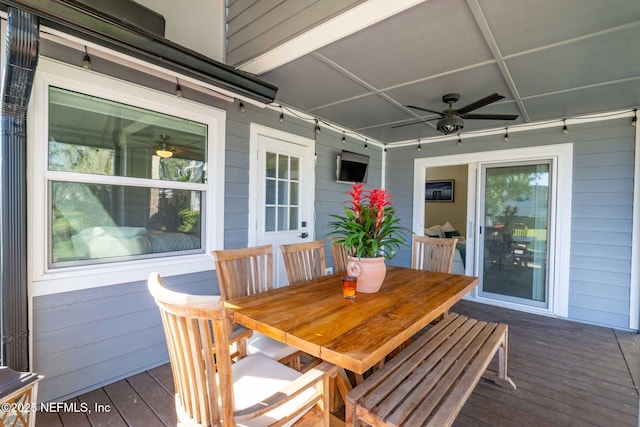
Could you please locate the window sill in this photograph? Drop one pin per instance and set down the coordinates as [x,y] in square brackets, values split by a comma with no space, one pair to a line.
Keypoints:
[87,277]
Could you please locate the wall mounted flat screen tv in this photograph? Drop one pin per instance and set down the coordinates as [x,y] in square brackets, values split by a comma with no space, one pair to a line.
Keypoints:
[352,167]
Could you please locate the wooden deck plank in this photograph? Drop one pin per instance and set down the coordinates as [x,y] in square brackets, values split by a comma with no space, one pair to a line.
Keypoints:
[156,396]
[131,406]
[567,373]
[104,411]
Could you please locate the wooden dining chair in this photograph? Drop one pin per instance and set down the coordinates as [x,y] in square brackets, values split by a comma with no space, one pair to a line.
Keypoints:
[304,261]
[210,390]
[340,256]
[433,254]
[249,271]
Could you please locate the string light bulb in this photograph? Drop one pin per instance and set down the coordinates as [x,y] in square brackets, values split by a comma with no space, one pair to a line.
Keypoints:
[565,129]
[385,148]
[366,144]
[86,61]
[241,107]
[459,140]
[178,89]
[344,137]
[506,134]
[419,146]
[317,127]
[281,118]
[635,117]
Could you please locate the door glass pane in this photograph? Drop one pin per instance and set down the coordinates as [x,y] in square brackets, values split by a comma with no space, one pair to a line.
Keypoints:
[283,219]
[270,167]
[270,218]
[283,194]
[516,219]
[295,168]
[283,166]
[270,192]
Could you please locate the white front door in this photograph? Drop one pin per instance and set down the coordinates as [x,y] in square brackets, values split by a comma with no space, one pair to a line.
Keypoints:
[282,192]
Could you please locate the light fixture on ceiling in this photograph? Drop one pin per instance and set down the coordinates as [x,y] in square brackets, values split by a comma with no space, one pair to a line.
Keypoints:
[178,89]
[164,150]
[565,129]
[419,146]
[281,118]
[506,134]
[241,107]
[635,117]
[86,61]
[450,124]
[344,137]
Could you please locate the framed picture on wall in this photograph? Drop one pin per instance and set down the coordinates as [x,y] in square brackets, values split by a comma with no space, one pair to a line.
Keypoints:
[439,191]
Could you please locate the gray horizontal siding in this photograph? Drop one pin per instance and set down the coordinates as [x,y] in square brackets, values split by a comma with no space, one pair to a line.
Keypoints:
[89,338]
[602,211]
[255,26]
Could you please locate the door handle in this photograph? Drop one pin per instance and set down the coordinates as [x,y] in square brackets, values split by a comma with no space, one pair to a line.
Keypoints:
[303,235]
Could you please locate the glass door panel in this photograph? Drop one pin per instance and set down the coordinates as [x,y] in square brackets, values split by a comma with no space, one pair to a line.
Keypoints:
[514,243]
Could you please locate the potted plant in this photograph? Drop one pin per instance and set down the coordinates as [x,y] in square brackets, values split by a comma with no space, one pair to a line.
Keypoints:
[370,232]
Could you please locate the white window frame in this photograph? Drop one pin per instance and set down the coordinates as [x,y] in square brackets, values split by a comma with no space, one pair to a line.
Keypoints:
[45,280]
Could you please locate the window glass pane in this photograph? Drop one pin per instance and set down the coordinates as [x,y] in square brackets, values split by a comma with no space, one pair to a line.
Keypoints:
[108,222]
[84,128]
[283,219]
[270,219]
[293,218]
[81,158]
[295,168]
[283,166]
[270,193]
[283,194]
[271,165]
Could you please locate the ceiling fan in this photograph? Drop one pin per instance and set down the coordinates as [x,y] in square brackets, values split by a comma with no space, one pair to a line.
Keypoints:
[451,119]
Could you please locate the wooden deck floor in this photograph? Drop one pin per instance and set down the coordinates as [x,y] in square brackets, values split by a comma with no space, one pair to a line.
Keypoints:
[567,374]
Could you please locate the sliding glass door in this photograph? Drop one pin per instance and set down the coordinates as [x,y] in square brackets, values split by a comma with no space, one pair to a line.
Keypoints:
[514,209]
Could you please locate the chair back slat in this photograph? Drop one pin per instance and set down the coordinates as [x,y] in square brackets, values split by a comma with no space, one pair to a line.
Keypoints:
[246,271]
[433,254]
[340,256]
[196,332]
[304,261]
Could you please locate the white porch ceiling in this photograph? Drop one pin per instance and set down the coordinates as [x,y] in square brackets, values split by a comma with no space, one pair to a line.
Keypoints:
[551,59]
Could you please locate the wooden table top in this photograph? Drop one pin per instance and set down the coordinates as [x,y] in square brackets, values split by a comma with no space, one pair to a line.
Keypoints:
[352,333]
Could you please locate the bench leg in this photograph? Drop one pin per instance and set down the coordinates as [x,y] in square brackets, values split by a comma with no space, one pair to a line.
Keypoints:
[501,377]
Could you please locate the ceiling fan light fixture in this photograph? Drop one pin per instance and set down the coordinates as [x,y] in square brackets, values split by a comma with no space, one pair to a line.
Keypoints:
[163,150]
[450,124]
[164,153]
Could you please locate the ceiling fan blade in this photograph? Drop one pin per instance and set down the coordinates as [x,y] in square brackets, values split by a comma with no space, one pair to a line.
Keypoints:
[479,103]
[424,109]
[490,116]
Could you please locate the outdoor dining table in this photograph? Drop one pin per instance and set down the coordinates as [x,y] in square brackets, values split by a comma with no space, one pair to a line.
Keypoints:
[354,334]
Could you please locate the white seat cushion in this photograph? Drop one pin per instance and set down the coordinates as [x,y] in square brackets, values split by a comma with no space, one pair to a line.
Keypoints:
[257,377]
[262,344]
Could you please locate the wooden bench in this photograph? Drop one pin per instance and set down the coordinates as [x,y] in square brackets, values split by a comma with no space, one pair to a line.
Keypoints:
[428,383]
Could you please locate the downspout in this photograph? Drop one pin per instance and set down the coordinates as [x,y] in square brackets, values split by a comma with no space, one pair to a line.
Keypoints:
[21,61]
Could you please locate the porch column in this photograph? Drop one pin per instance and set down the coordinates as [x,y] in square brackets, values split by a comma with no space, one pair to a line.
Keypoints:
[21,61]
